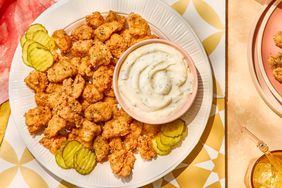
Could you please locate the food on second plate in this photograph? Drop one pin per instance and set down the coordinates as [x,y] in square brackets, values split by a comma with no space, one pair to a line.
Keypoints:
[275,60]
[77,114]
[155,80]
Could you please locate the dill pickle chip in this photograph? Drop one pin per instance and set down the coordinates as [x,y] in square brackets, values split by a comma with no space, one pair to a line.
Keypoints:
[157,150]
[170,141]
[43,38]
[173,129]
[84,161]
[24,52]
[161,146]
[32,29]
[69,152]
[23,40]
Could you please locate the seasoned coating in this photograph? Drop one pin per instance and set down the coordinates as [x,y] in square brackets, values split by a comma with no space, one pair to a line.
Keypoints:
[145,148]
[49,100]
[102,78]
[277,73]
[150,130]
[117,45]
[83,32]
[75,61]
[62,40]
[60,71]
[131,140]
[275,61]
[89,131]
[115,128]
[110,100]
[95,20]
[85,68]
[74,87]
[113,16]
[37,81]
[131,39]
[122,162]
[101,148]
[278,39]
[53,87]
[85,104]
[80,48]
[53,143]
[138,26]
[109,92]
[74,134]
[104,32]
[120,113]
[37,118]
[115,144]
[99,54]
[91,94]
[100,111]
[55,124]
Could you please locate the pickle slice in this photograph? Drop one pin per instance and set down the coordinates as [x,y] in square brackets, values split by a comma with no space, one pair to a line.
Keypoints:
[32,29]
[24,52]
[41,37]
[69,151]
[173,129]
[59,156]
[22,40]
[170,141]
[157,150]
[161,146]
[39,57]
[84,161]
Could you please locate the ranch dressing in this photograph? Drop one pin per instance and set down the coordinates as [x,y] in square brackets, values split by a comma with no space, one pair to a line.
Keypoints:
[155,80]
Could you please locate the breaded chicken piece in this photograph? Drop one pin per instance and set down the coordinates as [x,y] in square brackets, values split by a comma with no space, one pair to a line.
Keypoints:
[37,81]
[95,20]
[102,78]
[113,16]
[50,100]
[83,32]
[115,128]
[138,26]
[100,111]
[131,140]
[85,68]
[278,39]
[110,100]
[150,130]
[53,87]
[74,134]
[62,40]
[109,92]
[122,162]
[80,48]
[60,71]
[104,32]
[277,73]
[74,87]
[120,113]
[101,148]
[145,148]
[55,124]
[275,61]
[37,118]
[53,143]
[117,45]
[85,104]
[100,54]
[131,39]
[75,61]
[115,144]
[89,131]
[91,94]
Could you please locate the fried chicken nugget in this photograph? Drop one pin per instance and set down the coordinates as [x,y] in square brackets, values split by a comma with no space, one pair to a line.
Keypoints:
[277,73]
[55,124]
[115,128]
[110,100]
[50,100]
[37,81]
[117,45]
[53,143]
[101,147]
[113,16]
[74,87]
[138,26]
[62,40]
[145,148]
[89,131]
[85,68]
[275,61]
[100,54]
[115,144]
[91,94]
[102,78]
[83,32]
[150,130]
[37,118]
[80,48]
[100,111]
[131,140]
[122,162]
[104,31]
[95,20]
[60,71]
[120,113]
[109,92]
[53,87]
[278,39]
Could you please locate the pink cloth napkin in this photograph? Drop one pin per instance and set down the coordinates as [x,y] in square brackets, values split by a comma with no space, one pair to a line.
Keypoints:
[15,17]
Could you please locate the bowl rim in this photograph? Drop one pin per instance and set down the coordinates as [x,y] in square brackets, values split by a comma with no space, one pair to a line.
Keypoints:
[187,104]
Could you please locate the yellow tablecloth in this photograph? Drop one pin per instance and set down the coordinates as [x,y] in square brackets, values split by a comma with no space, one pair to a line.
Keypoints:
[204,167]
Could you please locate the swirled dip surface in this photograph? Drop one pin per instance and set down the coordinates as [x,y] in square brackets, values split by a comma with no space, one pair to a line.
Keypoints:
[155,81]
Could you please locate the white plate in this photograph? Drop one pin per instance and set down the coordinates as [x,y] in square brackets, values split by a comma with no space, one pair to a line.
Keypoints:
[176,29]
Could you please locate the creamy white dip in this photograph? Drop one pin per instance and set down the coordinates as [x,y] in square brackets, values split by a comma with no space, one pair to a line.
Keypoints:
[155,81]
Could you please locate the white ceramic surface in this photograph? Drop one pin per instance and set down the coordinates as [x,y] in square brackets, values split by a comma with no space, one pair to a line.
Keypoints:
[176,29]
